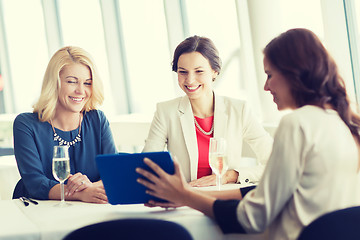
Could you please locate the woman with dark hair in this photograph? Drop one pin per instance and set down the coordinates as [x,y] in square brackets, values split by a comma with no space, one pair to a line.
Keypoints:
[187,123]
[314,164]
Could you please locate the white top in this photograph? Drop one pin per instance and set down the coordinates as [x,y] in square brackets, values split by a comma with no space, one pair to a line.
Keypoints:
[173,125]
[313,169]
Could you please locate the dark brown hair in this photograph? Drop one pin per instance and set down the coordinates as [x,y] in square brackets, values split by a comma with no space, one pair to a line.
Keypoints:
[202,45]
[312,73]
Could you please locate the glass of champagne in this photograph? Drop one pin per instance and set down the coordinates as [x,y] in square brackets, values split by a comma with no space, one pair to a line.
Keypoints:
[61,168]
[218,158]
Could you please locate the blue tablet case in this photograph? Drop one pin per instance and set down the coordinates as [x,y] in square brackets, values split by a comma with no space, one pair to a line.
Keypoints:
[117,171]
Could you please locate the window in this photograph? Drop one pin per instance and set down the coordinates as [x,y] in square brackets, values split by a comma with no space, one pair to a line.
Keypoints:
[352,9]
[2,102]
[218,21]
[268,20]
[81,23]
[150,78]
[240,30]
[27,50]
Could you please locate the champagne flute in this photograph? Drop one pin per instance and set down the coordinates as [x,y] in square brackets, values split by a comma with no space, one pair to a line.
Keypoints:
[61,168]
[218,158]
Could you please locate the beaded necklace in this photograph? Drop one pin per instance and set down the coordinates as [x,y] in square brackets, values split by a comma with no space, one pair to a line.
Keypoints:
[62,141]
[202,130]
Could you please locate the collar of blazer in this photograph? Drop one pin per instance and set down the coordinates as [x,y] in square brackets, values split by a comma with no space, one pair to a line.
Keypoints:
[188,127]
[220,114]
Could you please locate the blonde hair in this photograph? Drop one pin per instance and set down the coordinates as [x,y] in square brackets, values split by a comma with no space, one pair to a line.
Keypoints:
[46,105]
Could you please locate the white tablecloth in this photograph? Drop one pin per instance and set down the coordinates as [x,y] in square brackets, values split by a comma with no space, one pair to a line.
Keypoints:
[45,221]
[9,176]
[14,224]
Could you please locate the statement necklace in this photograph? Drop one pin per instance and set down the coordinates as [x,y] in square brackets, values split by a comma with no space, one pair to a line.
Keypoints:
[202,130]
[62,141]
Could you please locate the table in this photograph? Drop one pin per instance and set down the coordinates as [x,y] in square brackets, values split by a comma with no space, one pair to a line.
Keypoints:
[45,221]
[9,176]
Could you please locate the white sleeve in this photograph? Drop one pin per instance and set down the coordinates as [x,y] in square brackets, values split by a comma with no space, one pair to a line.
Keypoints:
[157,137]
[250,174]
[260,142]
[278,183]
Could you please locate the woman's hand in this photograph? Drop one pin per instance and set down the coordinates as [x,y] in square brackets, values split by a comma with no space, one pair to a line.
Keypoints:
[205,181]
[169,187]
[93,194]
[229,177]
[76,183]
[174,189]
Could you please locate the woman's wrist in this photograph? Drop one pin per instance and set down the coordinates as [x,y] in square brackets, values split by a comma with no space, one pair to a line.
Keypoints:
[231,176]
[198,200]
[98,184]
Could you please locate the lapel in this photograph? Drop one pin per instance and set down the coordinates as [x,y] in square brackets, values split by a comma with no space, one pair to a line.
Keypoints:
[188,128]
[220,117]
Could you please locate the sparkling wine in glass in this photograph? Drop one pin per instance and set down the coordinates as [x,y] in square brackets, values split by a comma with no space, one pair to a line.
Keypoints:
[218,158]
[61,168]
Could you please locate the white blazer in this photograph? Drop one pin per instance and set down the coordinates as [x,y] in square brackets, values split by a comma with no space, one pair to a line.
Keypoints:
[173,125]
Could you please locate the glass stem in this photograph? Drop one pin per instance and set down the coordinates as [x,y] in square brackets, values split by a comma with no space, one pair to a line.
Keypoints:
[62,192]
[218,181]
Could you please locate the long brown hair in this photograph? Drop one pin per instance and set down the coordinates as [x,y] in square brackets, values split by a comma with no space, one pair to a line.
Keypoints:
[312,73]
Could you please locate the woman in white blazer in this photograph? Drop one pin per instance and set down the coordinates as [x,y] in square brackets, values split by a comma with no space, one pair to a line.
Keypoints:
[185,123]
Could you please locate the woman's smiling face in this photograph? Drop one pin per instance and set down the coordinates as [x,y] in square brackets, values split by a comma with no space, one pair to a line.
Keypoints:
[76,87]
[278,86]
[195,75]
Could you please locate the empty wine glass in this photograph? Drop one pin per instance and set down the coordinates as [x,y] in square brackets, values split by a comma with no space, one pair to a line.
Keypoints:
[61,168]
[218,158]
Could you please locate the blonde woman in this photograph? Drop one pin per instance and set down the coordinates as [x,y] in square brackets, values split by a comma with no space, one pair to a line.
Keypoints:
[65,114]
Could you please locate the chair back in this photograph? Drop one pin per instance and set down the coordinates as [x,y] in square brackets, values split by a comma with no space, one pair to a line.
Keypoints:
[132,229]
[336,225]
[130,131]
